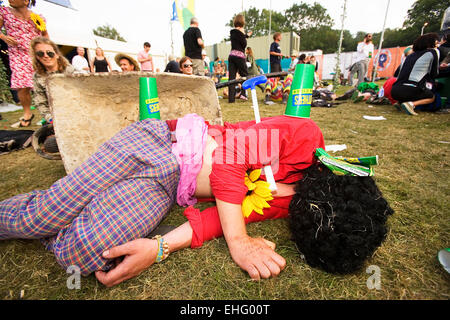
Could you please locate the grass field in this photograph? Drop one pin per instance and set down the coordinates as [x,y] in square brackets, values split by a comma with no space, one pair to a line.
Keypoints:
[413,175]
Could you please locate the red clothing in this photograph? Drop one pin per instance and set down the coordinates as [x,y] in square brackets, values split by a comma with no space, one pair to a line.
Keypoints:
[290,143]
[387,87]
[296,140]
[206,224]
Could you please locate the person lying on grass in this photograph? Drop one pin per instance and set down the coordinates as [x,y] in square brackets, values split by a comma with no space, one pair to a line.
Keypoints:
[336,222]
[124,190]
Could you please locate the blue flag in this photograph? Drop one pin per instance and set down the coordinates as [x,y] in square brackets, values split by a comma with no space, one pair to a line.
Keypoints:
[174,12]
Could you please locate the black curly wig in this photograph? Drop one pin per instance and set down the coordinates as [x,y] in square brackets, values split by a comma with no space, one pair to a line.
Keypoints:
[337,222]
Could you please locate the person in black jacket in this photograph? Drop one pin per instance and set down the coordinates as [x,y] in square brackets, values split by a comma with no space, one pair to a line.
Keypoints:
[237,59]
[414,85]
[172,66]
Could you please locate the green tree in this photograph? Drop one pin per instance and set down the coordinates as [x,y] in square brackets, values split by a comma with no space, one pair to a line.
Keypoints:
[431,11]
[258,22]
[305,17]
[5,92]
[109,32]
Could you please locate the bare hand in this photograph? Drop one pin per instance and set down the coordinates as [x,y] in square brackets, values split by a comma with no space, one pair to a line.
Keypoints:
[139,255]
[257,257]
[10,41]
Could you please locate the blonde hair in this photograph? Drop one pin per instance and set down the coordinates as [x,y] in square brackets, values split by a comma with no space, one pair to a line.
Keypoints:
[37,65]
[98,48]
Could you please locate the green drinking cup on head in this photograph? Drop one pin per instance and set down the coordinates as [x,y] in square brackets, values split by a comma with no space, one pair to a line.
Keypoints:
[300,96]
[148,99]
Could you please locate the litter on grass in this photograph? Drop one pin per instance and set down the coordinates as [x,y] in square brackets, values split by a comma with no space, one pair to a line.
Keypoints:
[335,147]
[374,118]
[8,107]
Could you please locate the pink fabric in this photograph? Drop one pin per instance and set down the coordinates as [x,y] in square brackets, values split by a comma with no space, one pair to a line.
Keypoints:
[23,31]
[145,66]
[191,134]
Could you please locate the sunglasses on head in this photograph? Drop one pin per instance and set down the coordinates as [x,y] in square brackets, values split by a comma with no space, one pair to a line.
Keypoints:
[41,54]
[187,65]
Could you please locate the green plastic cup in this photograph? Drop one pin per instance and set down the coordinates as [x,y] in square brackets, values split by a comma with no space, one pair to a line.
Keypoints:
[148,99]
[300,96]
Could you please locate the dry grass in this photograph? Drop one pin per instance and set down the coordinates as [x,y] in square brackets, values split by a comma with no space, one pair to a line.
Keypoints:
[413,175]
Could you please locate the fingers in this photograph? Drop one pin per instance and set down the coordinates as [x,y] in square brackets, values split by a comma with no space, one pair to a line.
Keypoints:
[118,251]
[115,276]
[268,264]
[271,244]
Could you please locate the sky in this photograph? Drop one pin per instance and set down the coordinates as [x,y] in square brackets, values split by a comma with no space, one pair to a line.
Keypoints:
[148,20]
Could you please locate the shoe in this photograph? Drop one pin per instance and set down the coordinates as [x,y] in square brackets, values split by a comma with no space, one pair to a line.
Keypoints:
[267,99]
[285,98]
[408,108]
[243,98]
[398,107]
[22,119]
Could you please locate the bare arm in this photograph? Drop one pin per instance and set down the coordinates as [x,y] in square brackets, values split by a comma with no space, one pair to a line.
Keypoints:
[10,41]
[45,34]
[200,42]
[254,255]
[141,254]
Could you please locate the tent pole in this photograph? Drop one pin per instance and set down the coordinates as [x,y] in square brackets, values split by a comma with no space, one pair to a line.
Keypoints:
[375,67]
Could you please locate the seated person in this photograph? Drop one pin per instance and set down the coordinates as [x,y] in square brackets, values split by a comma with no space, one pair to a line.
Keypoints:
[172,65]
[278,90]
[47,60]
[239,92]
[186,66]
[122,192]
[218,70]
[414,85]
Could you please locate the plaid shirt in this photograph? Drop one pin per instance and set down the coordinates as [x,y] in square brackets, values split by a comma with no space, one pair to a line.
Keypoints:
[119,194]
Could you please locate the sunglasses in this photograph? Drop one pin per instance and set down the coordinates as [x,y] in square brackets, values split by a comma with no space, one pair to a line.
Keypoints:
[41,54]
[187,65]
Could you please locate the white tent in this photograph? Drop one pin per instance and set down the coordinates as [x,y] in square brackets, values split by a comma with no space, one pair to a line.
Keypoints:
[65,28]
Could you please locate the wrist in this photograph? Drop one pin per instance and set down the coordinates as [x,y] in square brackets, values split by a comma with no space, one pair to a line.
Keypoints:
[163,249]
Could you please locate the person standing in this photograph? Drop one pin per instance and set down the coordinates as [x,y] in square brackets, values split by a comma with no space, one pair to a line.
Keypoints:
[237,60]
[364,53]
[79,62]
[100,63]
[275,53]
[145,58]
[21,25]
[193,45]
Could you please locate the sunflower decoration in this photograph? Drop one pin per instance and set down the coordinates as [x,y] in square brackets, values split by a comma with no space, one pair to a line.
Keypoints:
[38,21]
[259,194]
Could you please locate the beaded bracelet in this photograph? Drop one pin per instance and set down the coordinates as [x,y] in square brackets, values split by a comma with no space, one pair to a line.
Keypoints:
[163,248]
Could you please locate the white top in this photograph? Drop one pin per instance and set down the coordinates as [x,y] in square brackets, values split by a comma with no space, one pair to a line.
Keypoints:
[364,51]
[79,63]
